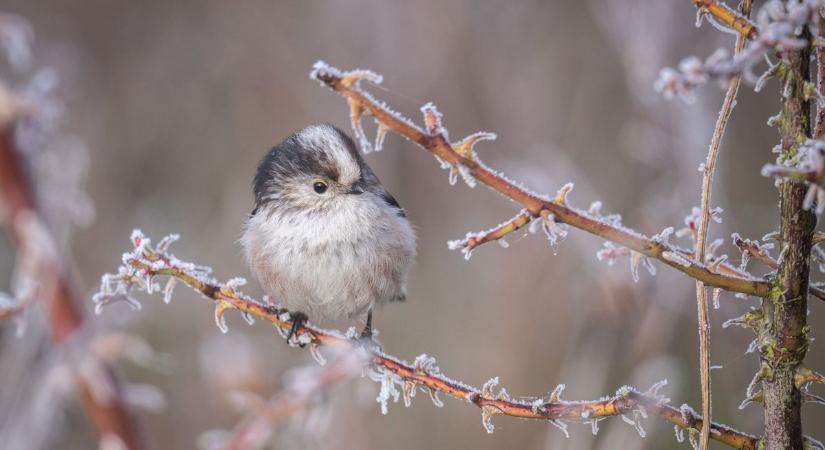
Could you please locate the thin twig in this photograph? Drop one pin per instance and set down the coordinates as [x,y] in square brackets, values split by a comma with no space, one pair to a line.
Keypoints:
[435,141]
[729,17]
[473,240]
[702,231]
[755,252]
[146,262]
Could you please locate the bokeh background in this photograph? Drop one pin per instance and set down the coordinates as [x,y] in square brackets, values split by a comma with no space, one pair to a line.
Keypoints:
[174,103]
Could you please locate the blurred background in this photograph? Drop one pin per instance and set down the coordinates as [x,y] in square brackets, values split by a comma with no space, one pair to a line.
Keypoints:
[168,107]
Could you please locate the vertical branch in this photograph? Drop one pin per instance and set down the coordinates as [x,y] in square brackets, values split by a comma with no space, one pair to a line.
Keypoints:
[64,315]
[702,233]
[783,339]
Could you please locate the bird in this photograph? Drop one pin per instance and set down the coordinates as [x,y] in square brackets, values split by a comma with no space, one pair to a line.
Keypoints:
[325,239]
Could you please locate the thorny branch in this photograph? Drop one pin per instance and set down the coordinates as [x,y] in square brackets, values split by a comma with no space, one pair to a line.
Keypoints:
[702,229]
[145,262]
[779,23]
[549,213]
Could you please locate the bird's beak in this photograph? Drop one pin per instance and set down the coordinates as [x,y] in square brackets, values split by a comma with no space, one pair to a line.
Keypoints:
[357,189]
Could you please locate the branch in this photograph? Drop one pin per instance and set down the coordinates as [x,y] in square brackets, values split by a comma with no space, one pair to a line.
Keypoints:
[778,25]
[704,221]
[64,316]
[752,249]
[463,161]
[473,240]
[145,262]
[728,16]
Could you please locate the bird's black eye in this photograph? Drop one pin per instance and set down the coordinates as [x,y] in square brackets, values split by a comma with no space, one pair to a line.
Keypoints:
[320,186]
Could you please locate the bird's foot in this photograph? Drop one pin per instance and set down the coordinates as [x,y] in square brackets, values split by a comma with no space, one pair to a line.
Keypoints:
[299,319]
[368,343]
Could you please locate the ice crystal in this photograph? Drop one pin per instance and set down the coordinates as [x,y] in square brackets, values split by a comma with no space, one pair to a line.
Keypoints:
[220,319]
[676,258]
[487,413]
[432,120]
[554,231]
[637,259]
[380,134]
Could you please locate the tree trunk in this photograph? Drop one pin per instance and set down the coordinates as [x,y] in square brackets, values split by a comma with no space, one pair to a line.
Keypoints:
[783,338]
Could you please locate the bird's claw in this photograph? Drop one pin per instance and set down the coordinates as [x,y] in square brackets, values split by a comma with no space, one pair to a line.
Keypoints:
[299,319]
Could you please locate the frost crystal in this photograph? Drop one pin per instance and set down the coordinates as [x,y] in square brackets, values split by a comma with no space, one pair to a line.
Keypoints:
[561,426]
[717,294]
[220,318]
[680,434]
[554,231]
[676,258]
[432,120]
[315,351]
[637,259]
[487,413]
[466,175]
[380,135]
[388,390]
[167,291]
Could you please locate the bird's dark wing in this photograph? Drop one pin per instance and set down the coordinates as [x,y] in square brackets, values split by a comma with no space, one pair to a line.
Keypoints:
[387,197]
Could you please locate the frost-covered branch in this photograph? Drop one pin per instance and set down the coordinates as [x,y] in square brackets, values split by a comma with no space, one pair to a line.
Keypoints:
[399,380]
[727,16]
[553,214]
[703,224]
[473,240]
[754,250]
[780,26]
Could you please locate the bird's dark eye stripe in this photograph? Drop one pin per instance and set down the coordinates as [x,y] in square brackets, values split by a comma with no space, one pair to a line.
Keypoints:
[319,186]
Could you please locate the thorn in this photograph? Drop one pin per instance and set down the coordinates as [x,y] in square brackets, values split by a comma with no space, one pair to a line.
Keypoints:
[221,306]
[356,111]
[408,392]
[487,413]
[555,396]
[465,148]
[561,195]
[352,78]
[380,135]
[432,119]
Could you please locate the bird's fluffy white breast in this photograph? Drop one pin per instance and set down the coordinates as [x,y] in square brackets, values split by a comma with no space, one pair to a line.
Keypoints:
[335,264]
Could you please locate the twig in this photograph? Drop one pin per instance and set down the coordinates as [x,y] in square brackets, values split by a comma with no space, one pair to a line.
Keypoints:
[435,141]
[473,240]
[751,249]
[729,17]
[64,315]
[702,231]
[805,375]
[146,262]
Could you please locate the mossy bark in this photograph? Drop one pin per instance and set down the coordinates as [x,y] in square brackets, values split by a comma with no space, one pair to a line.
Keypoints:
[783,336]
